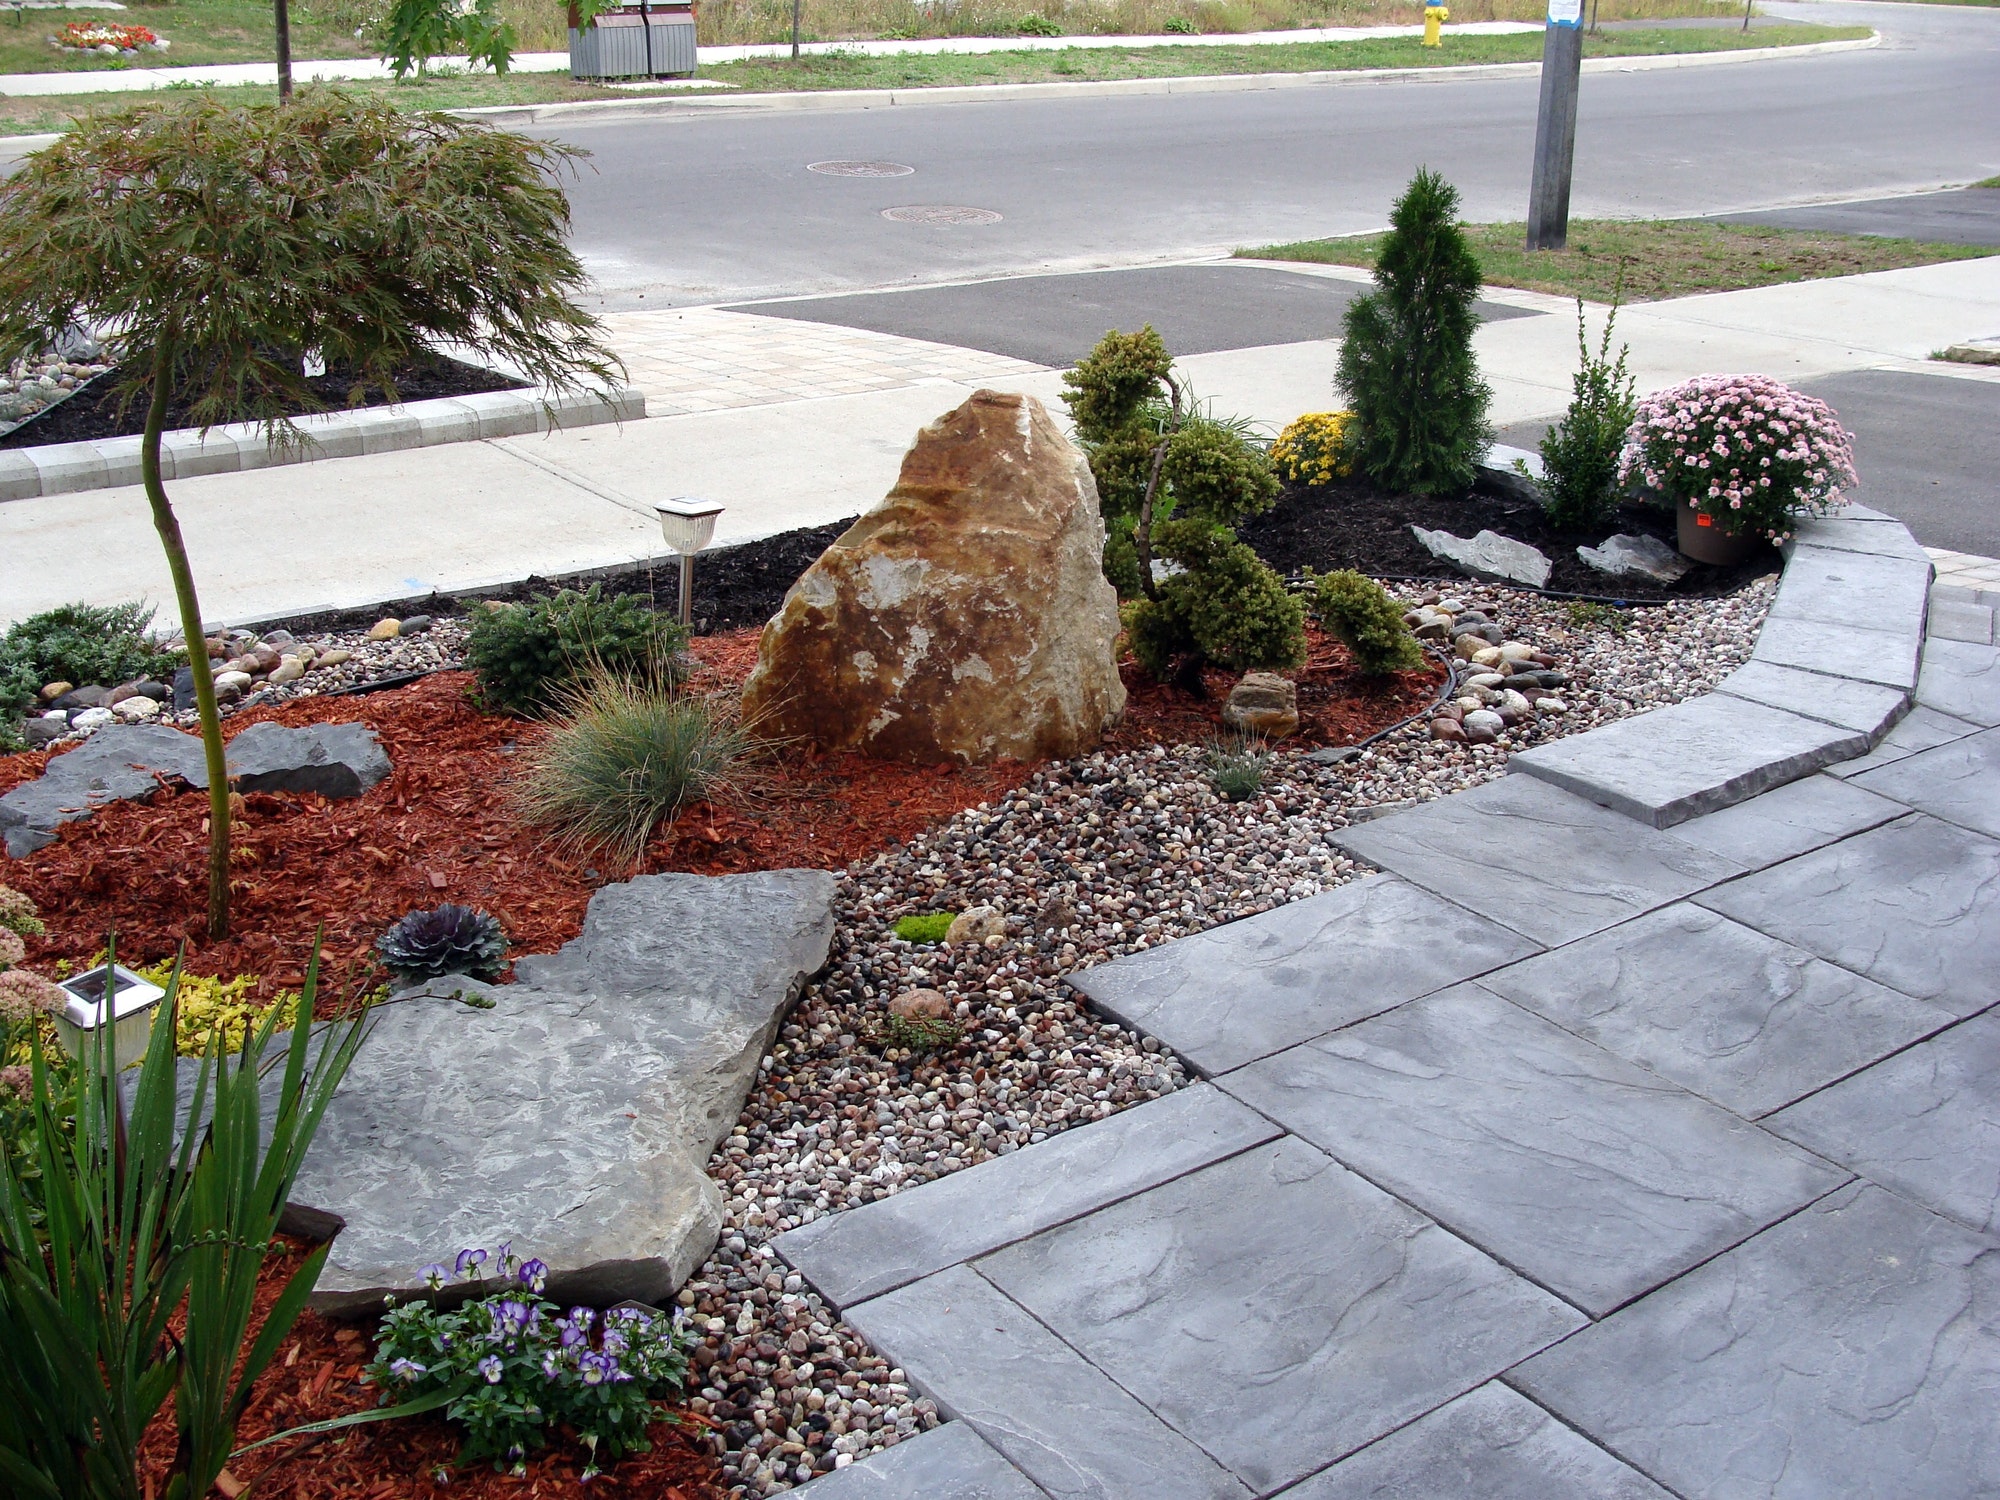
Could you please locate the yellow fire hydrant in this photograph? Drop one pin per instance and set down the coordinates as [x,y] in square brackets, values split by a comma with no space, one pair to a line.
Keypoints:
[1434,18]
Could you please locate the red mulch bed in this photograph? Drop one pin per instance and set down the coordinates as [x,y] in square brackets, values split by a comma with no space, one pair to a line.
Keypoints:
[439,828]
[317,1375]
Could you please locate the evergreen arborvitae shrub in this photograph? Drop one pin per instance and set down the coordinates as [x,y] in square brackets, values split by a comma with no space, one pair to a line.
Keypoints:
[1580,454]
[1406,365]
[1359,611]
[1221,604]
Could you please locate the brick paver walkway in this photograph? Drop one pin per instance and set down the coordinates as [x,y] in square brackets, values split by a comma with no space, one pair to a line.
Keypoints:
[1568,1157]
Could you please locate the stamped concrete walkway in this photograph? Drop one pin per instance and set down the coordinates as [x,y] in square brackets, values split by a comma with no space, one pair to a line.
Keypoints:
[1570,1157]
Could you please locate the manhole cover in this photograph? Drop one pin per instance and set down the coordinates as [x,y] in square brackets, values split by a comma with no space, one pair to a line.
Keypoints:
[941,213]
[861,168]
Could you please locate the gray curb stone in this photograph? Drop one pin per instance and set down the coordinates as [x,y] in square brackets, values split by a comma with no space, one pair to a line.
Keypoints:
[65,468]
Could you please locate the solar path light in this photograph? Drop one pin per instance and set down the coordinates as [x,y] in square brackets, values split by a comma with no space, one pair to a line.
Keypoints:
[688,525]
[128,1010]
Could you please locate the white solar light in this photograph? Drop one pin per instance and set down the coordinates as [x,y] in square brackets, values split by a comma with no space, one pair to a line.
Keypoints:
[688,525]
[128,1011]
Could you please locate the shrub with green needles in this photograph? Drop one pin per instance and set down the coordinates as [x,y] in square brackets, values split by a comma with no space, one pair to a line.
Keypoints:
[624,758]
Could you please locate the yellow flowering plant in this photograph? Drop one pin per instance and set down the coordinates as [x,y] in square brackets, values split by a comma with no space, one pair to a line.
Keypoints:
[1312,448]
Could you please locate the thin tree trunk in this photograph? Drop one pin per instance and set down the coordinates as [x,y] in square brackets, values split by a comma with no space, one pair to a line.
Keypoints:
[284,50]
[169,529]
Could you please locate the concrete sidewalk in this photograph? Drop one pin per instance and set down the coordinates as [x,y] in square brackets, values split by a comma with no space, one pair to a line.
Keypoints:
[792,424]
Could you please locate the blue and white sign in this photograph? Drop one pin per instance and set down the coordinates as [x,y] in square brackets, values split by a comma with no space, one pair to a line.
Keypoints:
[1565,12]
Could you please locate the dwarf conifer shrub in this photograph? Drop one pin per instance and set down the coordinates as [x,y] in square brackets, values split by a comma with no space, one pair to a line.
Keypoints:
[528,655]
[1406,364]
[1580,453]
[1359,611]
[80,643]
[1172,483]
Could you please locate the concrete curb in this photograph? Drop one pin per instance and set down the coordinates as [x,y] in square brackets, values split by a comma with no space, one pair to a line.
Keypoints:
[1224,83]
[107,463]
[1835,667]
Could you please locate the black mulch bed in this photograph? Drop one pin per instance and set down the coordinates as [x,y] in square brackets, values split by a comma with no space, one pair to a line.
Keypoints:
[92,412]
[1354,526]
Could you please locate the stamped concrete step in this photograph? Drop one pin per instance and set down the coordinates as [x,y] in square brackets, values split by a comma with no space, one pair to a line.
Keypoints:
[1859,529]
[1534,858]
[1850,1350]
[1598,1179]
[1493,1443]
[1834,587]
[1959,782]
[880,1246]
[1051,1413]
[1789,820]
[1857,651]
[951,1462]
[1919,729]
[1676,763]
[1869,707]
[1237,992]
[1277,1308]
[1925,1123]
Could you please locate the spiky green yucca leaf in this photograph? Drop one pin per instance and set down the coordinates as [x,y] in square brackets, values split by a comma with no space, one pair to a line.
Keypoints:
[625,758]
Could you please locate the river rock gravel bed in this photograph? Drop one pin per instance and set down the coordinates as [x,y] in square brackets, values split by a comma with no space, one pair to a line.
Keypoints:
[1089,860]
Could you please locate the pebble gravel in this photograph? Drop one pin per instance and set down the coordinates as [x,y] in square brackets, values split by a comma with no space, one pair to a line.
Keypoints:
[1089,860]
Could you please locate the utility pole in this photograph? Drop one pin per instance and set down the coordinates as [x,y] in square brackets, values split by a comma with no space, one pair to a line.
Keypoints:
[284,19]
[795,30]
[1555,126]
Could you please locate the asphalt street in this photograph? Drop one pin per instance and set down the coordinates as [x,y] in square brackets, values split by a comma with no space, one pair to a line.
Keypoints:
[1967,216]
[1054,320]
[705,208]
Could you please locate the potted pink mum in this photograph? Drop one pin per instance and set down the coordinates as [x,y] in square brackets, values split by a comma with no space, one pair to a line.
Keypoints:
[1741,458]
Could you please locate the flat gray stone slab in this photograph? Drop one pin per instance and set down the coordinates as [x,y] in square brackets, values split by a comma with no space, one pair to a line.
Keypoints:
[1676,763]
[1278,1308]
[1246,989]
[1788,820]
[1959,782]
[1836,587]
[1492,1443]
[1925,1122]
[334,760]
[117,764]
[1868,707]
[1851,1350]
[1914,904]
[576,1117]
[1867,655]
[1919,729]
[869,1250]
[1954,621]
[1052,1414]
[1536,859]
[1849,532]
[1962,680]
[1594,1177]
[951,1462]
[1717,1007]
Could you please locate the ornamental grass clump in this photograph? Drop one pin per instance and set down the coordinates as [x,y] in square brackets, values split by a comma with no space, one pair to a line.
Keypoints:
[625,758]
[1237,767]
[1748,452]
[512,1364]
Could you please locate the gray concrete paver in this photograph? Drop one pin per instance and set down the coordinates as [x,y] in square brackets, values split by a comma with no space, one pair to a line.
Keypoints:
[1854,650]
[1955,781]
[1277,1308]
[1240,991]
[1834,586]
[1852,1350]
[1788,820]
[1867,706]
[1962,680]
[1596,1178]
[1925,1123]
[883,1245]
[951,1462]
[1493,1443]
[1550,865]
[1717,1007]
[1913,904]
[1919,729]
[1051,1413]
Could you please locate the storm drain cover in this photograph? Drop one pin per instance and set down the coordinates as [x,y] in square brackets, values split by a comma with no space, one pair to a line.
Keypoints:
[861,168]
[941,213]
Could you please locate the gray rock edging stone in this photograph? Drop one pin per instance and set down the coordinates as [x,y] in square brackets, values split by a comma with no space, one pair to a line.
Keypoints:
[127,761]
[65,468]
[1833,670]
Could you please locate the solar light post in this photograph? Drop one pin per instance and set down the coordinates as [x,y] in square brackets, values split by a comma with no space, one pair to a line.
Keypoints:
[126,1011]
[688,525]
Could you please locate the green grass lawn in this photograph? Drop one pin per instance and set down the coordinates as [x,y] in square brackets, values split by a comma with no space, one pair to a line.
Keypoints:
[1657,258]
[201,31]
[34,115]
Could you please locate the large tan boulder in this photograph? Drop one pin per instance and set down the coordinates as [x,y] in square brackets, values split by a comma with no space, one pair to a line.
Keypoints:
[966,617]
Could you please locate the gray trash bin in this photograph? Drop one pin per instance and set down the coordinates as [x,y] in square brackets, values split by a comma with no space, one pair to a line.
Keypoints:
[634,41]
